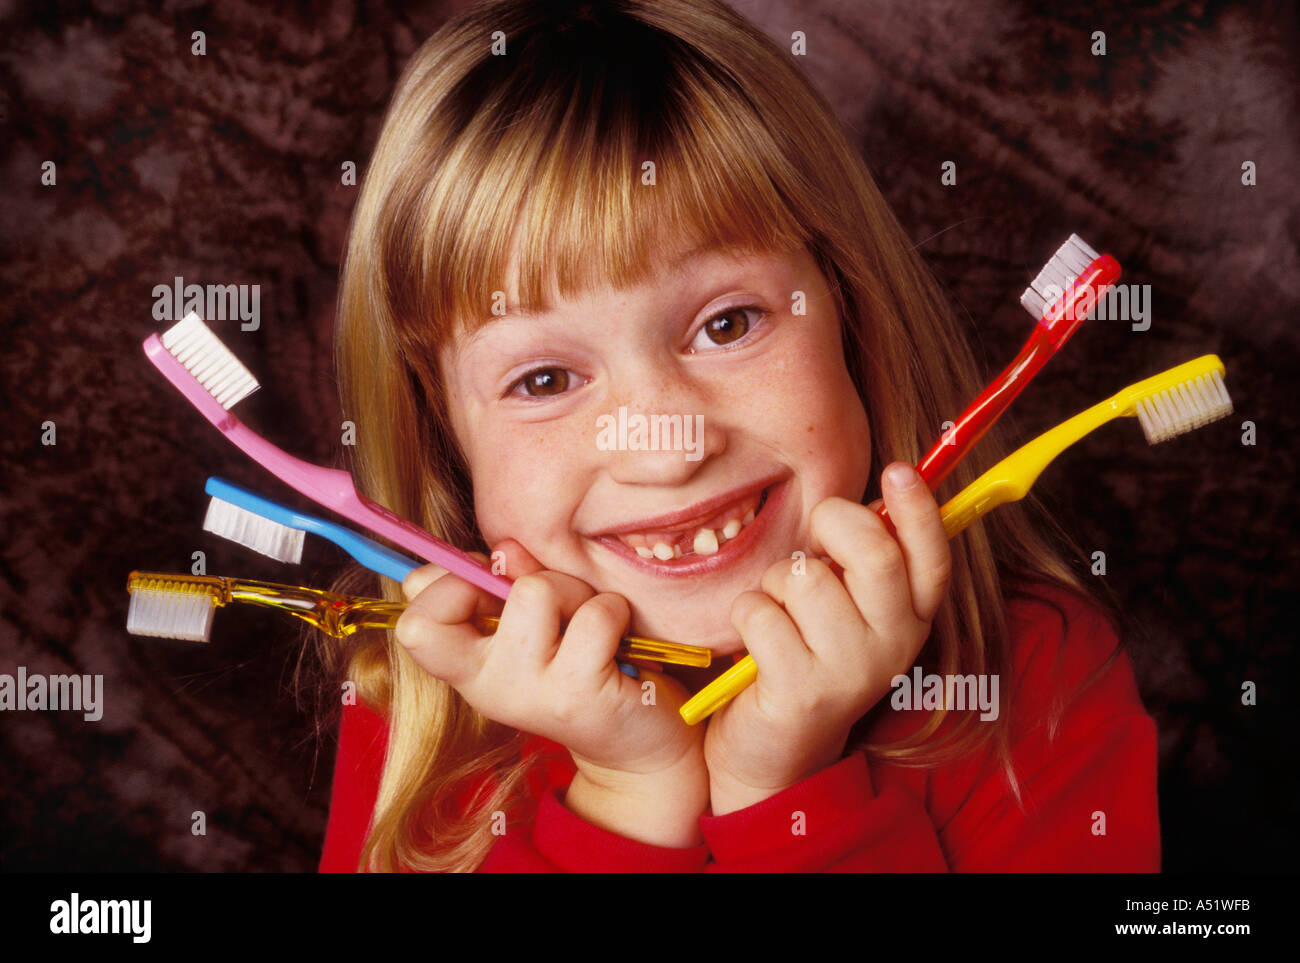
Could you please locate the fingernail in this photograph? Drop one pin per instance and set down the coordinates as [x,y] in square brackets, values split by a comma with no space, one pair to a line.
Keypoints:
[901,477]
[627,668]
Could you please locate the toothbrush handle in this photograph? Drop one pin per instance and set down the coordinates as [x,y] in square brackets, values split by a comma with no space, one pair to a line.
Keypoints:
[376,614]
[334,489]
[987,407]
[981,413]
[653,650]
[720,691]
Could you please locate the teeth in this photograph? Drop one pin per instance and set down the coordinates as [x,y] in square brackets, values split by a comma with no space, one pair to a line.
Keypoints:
[666,546]
[706,543]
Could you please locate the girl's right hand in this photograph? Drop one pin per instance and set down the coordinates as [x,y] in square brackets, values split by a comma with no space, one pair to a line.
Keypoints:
[549,669]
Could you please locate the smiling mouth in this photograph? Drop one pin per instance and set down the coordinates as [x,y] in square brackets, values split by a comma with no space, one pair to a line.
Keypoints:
[701,539]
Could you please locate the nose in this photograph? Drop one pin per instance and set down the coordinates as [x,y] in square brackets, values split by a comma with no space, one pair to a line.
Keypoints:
[663,436]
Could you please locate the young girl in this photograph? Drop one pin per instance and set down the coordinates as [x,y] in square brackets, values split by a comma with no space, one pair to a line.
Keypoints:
[578,209]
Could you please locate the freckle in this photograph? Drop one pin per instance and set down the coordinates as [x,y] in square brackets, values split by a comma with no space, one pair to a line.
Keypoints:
[810,429]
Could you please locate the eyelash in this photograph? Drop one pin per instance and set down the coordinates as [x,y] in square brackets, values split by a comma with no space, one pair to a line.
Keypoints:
[515,389]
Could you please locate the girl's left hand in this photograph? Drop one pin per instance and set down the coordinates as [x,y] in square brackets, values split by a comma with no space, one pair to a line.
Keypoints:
[826,650]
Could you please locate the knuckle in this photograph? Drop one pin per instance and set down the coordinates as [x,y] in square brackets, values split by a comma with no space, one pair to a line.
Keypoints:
[411,630]
[825,512]
[818,578]
[778,576]
[534,592]
[607,611]
[941,571]
[885,558]
[417,580]
[752,612]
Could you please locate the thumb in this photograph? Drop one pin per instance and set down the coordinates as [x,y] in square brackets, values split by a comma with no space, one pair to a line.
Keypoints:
[512,560]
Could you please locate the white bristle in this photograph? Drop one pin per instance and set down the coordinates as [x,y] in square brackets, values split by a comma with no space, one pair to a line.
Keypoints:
[1186,406]
[1070,260]
[171,615]
[280,542]
[213,364]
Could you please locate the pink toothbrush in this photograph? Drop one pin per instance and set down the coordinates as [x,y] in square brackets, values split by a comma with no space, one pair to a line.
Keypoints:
[206,372]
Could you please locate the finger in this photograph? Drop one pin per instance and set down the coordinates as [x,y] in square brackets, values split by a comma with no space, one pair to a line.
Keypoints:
[834,566]
[920,535]
[875,572]
[592,637]
[512,560]
[418,579]
[437,632]
[772,639]
[820,606]
[539,604]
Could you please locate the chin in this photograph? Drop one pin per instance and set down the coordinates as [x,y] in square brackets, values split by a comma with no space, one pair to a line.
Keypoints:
[722,643]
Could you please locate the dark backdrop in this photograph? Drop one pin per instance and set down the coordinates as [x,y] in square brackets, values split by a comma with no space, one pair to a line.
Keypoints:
[226,168]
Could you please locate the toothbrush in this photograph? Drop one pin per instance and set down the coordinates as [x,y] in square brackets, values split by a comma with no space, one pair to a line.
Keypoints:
[276,530]
[1085,274]
[1166,405]
[181,607]
[213,380]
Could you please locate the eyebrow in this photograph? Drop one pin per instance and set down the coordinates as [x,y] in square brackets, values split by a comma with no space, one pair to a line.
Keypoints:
[691,254]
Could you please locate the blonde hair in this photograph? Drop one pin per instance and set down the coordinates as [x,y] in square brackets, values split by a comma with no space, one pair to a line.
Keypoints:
[537,154]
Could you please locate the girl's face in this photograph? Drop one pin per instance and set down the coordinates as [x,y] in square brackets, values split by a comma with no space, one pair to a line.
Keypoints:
[555,414]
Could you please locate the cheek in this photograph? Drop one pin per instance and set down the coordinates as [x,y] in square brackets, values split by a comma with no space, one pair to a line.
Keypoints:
[521,476]
[827,422]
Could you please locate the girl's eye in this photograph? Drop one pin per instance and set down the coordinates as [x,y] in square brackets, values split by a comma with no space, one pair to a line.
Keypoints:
[543,383]
[725,328]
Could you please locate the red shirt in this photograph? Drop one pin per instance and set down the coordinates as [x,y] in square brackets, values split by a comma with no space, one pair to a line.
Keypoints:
[1089,787]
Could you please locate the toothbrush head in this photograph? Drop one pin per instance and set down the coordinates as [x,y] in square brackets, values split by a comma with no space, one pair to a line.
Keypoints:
[1197,398]
[262,535]
[208,361]
[167,607]
[1066,266]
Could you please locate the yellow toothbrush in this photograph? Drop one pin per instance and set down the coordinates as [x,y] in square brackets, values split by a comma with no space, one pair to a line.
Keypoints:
[181,607]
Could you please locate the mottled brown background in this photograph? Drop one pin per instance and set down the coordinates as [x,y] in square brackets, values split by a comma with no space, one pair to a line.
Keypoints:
[225,168]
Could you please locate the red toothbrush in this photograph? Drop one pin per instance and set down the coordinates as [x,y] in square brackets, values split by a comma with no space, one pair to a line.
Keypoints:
[1061,297]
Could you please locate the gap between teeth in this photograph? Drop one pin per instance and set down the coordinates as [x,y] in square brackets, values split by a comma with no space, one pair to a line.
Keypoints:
[706,541]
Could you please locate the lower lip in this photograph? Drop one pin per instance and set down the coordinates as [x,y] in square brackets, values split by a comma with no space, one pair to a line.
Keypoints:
[730,552]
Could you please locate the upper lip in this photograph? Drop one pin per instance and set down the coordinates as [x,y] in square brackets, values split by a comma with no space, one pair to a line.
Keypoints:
[686,517]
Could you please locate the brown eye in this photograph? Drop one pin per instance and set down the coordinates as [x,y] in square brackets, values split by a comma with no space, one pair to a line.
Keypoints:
[727,327]
[545,382]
